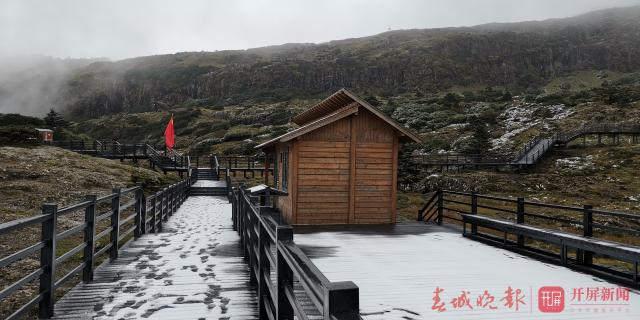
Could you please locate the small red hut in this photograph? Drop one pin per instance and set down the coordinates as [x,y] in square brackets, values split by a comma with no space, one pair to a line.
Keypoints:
[45,135]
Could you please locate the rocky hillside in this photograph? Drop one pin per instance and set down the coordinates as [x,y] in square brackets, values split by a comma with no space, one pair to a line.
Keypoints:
[442,119]
[518,56]
[30,177]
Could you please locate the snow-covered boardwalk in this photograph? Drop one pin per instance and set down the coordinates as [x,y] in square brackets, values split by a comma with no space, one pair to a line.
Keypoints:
[398,269]
[209,184]
[192,270]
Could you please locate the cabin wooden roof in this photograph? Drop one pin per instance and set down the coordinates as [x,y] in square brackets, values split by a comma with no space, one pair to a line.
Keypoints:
[339,105]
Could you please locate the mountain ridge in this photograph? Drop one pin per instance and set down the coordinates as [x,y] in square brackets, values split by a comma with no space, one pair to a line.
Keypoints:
[519,56]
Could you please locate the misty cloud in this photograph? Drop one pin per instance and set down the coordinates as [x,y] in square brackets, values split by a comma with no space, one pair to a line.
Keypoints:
[31,85]
[31,30]
[122,28]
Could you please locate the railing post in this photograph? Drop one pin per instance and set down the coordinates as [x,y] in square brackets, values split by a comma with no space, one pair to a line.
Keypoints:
[240,214]
[89,233]
[47,260]
[252,243]
[174,198]
[341,301]
[587,229]
[263,266]
[228,181]
[474,211]
[284,274]
[115,224]
[440,206]
[137,232]
[161,210]
[234,210]
[143,222]
[520,219]
[170,201]
[153,213]
[166,201]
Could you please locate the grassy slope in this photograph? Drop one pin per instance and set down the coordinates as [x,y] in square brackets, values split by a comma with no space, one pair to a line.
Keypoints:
[200,130]
[606,181]
[31,176]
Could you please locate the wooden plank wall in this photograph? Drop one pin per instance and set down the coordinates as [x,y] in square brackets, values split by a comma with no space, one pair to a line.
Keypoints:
[375,160]
[285,204]
[335,181]
[323,175]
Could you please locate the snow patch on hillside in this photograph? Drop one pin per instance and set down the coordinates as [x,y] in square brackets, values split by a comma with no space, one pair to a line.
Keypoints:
[575,163]
[520,118]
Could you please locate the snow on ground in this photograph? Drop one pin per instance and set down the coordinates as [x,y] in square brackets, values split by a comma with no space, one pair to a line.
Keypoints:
[519,118]
[397,275]
[193,269]
[575,163]
[209,183]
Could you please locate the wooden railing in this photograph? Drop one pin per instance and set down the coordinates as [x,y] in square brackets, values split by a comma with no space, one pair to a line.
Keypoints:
[227,177]
[532,151]
[445,204]
[603,128]
[288,282]
[205,161]
[241,162]
[157,154]
[215,163]
[108,221]
[456,159]
[617,228]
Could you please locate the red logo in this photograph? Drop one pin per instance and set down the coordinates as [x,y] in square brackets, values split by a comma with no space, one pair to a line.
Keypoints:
[551,299]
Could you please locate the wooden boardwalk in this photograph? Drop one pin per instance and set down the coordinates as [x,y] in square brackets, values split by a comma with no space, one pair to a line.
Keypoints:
[192,270]
[397,269]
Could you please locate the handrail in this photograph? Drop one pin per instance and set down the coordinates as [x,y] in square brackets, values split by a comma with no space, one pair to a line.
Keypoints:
[582,224]
[266,241]
[532,151]
[170,159]
[240,161]
[525,207]
[121,228]
[216,163]
[422,211]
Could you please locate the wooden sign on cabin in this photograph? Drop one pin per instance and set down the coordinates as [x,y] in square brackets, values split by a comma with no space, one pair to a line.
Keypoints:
[340,166]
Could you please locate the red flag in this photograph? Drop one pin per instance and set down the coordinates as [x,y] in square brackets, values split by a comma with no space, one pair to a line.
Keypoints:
[169,136]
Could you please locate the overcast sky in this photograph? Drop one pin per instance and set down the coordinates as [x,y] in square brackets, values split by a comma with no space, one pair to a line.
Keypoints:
[126,28]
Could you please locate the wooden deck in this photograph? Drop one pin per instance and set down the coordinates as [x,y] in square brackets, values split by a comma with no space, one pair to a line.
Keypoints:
[397,269]
[192,270]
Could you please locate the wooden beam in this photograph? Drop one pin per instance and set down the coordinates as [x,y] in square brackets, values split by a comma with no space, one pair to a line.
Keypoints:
[293,185]
[266,168]
[352,171]
[394,183]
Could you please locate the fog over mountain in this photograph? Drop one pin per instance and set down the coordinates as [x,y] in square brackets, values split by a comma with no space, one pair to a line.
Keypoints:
[121,29]
[32,85]
[31,31]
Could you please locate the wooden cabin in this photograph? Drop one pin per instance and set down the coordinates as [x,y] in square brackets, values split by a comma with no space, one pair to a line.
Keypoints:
[340,166]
